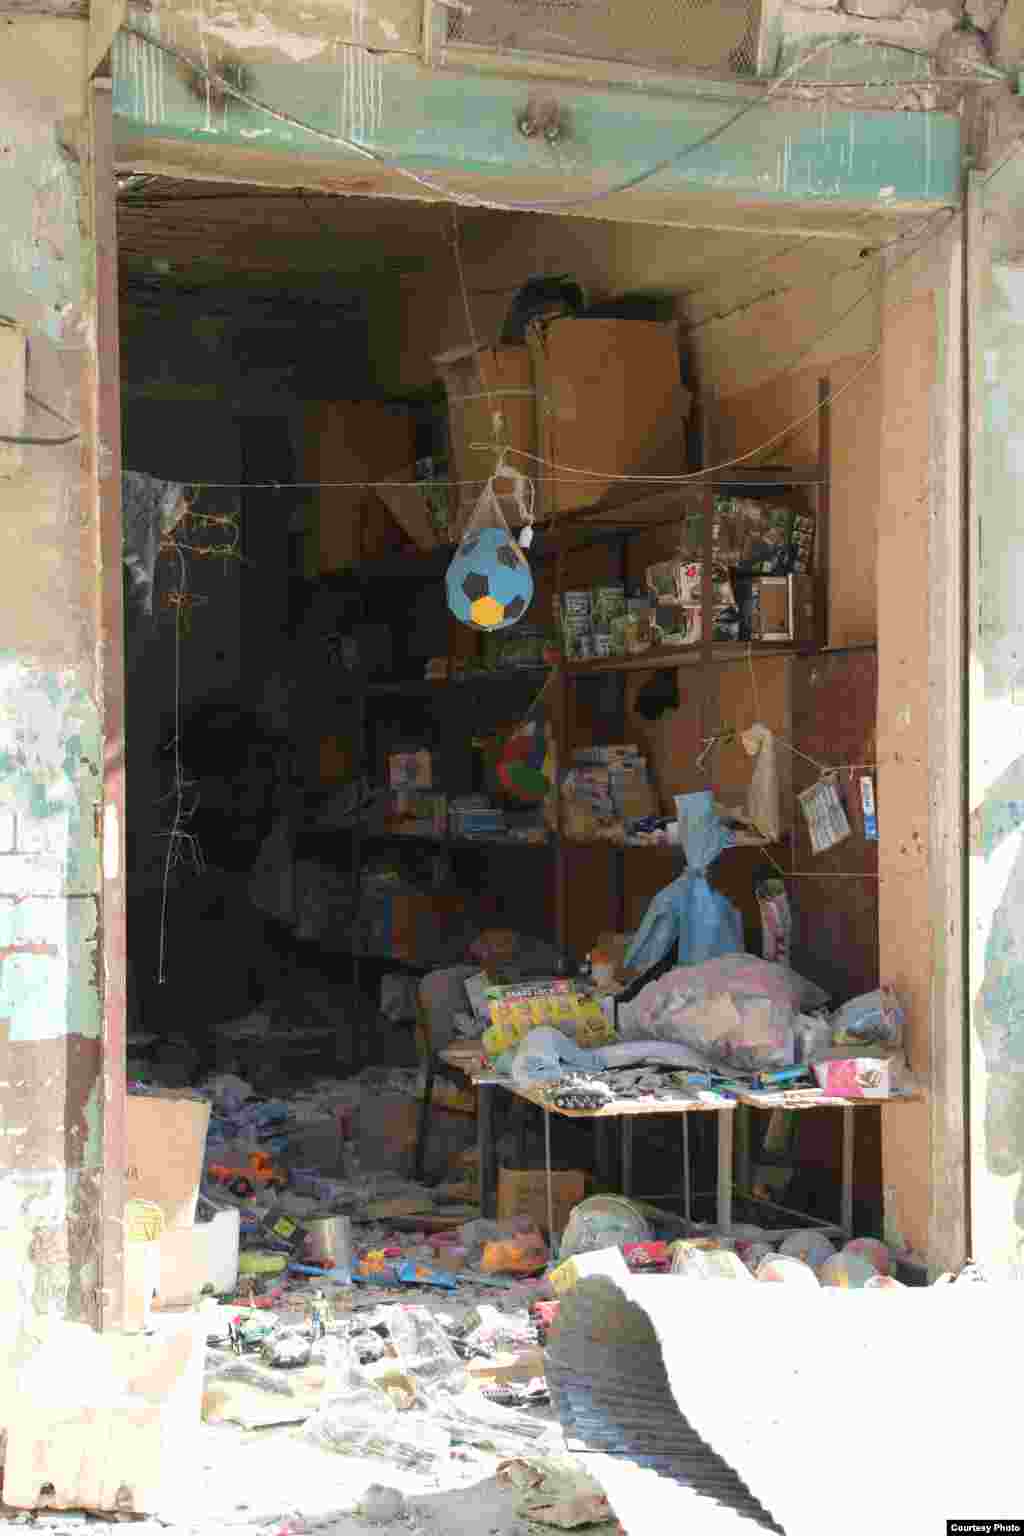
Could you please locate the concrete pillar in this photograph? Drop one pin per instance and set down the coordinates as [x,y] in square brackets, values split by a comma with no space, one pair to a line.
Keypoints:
[54,1090]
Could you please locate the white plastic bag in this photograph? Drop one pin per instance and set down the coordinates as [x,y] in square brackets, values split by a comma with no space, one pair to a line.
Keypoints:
[763,795]
[356,1418]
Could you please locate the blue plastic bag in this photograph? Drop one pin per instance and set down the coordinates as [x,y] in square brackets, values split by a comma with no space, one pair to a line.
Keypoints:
[688,913]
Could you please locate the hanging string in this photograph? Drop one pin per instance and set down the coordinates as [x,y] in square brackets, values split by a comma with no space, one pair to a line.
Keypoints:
[497,417]
[753,684]
[179,842]
[745,458]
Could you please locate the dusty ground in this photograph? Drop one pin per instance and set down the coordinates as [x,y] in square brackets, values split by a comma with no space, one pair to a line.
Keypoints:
[268,1483]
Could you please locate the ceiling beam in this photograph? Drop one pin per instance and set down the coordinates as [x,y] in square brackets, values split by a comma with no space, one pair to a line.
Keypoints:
[77,10]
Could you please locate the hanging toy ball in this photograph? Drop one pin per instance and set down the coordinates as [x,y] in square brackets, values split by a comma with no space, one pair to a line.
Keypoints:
[489,583]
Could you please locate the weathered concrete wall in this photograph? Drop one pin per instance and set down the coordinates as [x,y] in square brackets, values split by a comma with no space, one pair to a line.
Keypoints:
[996,679]
[51,760]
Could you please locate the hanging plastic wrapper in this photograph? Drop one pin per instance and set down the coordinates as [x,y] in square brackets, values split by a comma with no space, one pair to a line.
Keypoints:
[825,814]
[701,921]
[489,584]
[763,795]
[776,920]
[150,508]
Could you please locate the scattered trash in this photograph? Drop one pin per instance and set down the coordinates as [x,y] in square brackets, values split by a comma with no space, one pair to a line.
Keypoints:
[381,1505]
[525,1254]
[571,1514]
[288,1347]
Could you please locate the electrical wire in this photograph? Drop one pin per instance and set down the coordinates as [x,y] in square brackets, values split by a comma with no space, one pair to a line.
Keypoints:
[44,442]
[40,442]
[1004,162]
[827,278]
[469,199]
[670,480]
[561,470]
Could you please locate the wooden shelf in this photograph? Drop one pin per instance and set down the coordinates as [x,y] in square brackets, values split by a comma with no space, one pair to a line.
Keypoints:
[423,687]
[658,658]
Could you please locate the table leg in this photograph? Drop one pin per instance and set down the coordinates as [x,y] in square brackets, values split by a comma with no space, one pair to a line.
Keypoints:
[485,1144]
[552,1239]
[687,1193]
[724,1123]
[846,1211]
[627,1154]
[604,1153]
[743,1127]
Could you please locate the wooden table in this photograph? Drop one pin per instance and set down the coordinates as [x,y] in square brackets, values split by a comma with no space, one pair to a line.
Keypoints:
[467,1058]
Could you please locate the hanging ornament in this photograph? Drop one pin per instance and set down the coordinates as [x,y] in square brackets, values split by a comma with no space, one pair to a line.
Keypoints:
[489,583]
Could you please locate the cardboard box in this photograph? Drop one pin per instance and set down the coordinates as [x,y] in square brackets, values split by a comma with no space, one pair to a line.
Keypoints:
[166,1146]
[388,1125]
[604,395]
[422,920]
[524,1192]
[611,400]
[410,770]
[335,760]
[507,373]
[353,441]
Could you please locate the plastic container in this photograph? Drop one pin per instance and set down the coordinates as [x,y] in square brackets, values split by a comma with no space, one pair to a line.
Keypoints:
[194,1258]
[329,1241]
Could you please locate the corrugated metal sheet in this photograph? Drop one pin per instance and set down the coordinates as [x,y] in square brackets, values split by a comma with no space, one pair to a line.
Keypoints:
[843,1411]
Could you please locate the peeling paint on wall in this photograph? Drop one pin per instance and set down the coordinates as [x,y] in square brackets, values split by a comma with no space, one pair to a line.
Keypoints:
[997,773]
[50,732]
[51,778]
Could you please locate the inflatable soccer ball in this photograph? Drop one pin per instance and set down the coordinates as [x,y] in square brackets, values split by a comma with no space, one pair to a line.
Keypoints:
[489,583]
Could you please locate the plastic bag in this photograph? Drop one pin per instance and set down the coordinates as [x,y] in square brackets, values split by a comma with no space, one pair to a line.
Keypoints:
[776,921]
[763,794]
[424,1349]
[522,1255]
[736,1011]
[149,508]
[701,921]
[875,1018]
[546,1055]
[398,998]
[356,1418]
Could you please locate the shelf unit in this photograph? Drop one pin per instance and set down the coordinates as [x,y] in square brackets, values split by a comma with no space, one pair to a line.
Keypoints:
[576,532]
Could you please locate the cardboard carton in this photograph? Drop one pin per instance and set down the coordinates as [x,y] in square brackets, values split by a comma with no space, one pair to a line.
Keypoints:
[524,1192]
[602,395]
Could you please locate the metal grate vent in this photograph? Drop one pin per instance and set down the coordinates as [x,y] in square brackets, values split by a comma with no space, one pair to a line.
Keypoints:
[718,37]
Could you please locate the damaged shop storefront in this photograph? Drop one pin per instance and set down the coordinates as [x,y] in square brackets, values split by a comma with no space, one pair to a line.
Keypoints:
[484,850]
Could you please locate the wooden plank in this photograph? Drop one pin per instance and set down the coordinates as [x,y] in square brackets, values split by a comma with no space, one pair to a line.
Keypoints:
[835,916]
[101,417]
[75,10]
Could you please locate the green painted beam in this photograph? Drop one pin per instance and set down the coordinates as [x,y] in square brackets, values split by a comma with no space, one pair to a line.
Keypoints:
[464,127]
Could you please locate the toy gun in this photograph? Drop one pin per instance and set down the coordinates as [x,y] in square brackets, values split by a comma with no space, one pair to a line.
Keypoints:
[259,1172]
